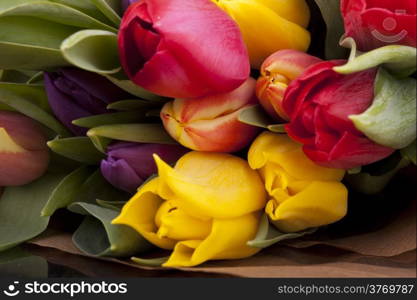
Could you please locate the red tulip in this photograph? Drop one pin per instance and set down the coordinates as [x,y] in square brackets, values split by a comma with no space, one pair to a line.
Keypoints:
[24,154]
[319,104]
[376,23]
[182,48]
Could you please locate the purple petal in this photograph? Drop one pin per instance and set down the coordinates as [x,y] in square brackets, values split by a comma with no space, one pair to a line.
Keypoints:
[64,107]
[120,174]
[96,85]
[140,156]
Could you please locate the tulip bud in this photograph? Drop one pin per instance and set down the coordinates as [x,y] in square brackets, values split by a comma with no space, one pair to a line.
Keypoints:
[277,71]
[128,165]
[211,123]
[24,154]
[182,48]
[74,93]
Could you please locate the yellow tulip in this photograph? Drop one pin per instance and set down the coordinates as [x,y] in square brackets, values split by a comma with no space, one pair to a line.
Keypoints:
[269,25]
[206,207]
[302,193]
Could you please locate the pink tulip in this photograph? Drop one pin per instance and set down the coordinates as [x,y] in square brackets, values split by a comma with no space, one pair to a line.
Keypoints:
[211,123]
[182,48]
[24,155]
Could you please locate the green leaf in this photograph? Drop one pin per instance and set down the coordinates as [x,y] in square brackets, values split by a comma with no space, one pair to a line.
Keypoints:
[85,49]
[100,142]
[30,57]
[112,9]
[96,187]
[330,11]
[399,60]
[268,235]
[140,133]
[117,205]
[150,262]
[33,111]
[86,7]
[108,119]
[57,13]
[33,31]
[80,149]
[20,210]
[409,152]
[121,81]
[35,93]
[15,76]
[391,119]
[129,105]
[256,116]
[66,192]
[369,184]
[109,239]
[16,262]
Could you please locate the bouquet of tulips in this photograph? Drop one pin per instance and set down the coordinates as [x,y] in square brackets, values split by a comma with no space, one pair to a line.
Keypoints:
[210,129]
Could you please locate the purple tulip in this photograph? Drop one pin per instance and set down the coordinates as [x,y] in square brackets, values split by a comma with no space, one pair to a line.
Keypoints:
[74,93]
[127,3]
[128,165]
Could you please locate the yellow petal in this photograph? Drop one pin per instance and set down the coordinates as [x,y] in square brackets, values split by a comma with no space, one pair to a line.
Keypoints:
[212,185]
[319,204]
[175,224]
[139,213]
[264,30]
[296,11]
[281,150]
[227,240]
[7,144]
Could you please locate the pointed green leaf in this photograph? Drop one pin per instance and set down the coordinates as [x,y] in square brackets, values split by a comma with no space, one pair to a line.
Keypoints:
[85,49]
[112,9]
[57,13]
[256,116]
[37,78]
[109,239]
[108,119]
[150,262]
[66,191]
[121,81]
[86,7]
[20,210]
[129,105]
[391,119]
[268,235]
[399,60]
[278,128]
[409,152]
[140,133]
[330,11]
[80,149]
[100,143]
[26,107]
[15,76]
